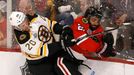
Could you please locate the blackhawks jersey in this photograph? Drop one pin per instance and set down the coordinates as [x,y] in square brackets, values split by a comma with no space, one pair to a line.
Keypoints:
[81,28]
[34,44]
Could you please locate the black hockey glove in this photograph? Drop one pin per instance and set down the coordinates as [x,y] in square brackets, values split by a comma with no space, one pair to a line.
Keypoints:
[110,51]
[67,36]
[108,38]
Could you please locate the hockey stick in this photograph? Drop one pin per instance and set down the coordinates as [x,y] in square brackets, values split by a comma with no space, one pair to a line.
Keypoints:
[92,35]
[88,36]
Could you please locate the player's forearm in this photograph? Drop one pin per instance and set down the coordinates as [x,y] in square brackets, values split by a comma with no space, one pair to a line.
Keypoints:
[92,55]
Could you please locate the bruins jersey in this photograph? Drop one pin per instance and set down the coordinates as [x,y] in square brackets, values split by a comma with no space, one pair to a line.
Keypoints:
[34,44]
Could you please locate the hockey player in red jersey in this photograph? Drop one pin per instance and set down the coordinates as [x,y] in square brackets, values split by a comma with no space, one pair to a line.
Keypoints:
[77,40]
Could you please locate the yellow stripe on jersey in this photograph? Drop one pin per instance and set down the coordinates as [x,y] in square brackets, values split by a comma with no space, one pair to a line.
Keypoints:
[34,19]
[30,34]
[49,23]
[31,57]
[45,50]
[39,49]
[53,23]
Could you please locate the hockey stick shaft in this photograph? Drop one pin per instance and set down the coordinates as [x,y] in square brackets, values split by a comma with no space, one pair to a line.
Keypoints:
[88,36]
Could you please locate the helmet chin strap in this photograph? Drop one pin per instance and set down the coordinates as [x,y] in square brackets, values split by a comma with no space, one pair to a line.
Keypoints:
[17,28]
[94,27]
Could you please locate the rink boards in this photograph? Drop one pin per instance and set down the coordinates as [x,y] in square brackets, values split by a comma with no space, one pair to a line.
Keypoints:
[13,63]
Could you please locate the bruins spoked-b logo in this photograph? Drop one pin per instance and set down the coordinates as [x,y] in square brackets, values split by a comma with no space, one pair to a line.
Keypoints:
[44,34]
[25,69]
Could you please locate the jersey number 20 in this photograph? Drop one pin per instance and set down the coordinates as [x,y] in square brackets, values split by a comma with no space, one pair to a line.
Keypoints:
[30,44]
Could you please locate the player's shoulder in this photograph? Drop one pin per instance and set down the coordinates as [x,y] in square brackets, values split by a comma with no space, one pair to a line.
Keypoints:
[21,36]
[81,19]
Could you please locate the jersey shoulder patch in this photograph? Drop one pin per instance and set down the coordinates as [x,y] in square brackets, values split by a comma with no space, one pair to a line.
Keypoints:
[21,36]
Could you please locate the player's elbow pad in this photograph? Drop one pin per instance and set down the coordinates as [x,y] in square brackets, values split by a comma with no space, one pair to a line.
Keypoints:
[57,28]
